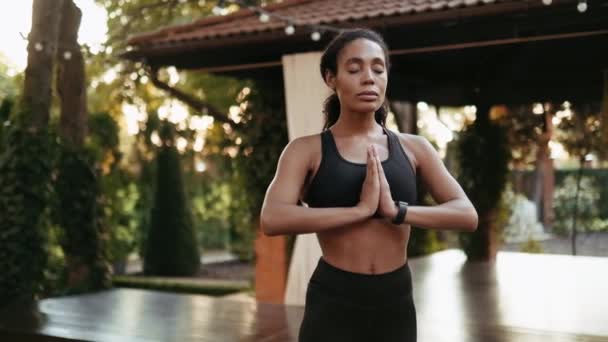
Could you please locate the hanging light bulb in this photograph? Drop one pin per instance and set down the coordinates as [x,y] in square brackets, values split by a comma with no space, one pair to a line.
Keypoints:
[290,29]
[264,17]
[67,55]
[582,6]
[219,8]
[316,36]
[547,2]
[38,47]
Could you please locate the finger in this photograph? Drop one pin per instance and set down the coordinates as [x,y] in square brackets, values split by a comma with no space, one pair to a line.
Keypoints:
[381,174]
[378,163]
[380,169]
[369,162]
[374,164]
[377,157]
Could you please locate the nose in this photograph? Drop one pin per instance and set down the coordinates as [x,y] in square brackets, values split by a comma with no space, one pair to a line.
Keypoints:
[368,76]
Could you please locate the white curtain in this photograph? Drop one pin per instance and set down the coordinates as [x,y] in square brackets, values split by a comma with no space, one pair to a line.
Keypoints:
[305,92]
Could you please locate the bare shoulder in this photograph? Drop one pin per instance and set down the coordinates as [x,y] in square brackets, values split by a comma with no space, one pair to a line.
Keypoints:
[416,147]
[303,149]
[420,145]
[306,144]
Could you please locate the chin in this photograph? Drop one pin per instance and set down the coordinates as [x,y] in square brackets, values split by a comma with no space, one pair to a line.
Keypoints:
[366,107]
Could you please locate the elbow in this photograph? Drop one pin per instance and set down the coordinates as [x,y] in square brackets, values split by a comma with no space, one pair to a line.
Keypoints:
[472,221]
[267,224]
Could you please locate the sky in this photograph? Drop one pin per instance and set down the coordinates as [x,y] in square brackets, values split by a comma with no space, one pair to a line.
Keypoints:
[16,20]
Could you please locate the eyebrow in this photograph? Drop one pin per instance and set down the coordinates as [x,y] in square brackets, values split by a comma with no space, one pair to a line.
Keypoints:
[360,60]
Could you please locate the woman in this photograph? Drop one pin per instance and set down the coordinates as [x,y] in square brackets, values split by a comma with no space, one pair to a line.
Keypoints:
[358,180]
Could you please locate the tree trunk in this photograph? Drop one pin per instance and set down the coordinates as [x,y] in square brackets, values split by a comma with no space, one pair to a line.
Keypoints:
[549,177]
[42,46]
[544,177]
[605,108]
[76,184]
[484,241]
[539,178]
[579,175]
[25,172]
[406,116]
[71,78]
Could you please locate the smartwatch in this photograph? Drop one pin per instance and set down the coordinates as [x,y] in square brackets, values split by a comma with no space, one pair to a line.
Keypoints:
[400,218]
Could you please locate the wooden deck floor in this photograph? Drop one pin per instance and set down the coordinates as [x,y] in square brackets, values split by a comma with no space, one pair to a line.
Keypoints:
[521,298]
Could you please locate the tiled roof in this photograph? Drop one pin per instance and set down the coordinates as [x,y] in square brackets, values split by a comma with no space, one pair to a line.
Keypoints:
[306,12]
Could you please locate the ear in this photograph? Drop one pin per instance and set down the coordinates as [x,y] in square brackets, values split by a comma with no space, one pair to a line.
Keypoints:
[330,80]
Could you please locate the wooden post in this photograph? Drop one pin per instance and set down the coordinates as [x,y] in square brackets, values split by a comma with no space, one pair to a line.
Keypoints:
[270,268]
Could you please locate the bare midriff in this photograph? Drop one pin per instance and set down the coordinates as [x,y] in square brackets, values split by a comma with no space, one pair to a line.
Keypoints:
[373,246]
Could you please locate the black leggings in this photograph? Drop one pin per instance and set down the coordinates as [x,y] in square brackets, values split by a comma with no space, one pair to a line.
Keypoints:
[347,306]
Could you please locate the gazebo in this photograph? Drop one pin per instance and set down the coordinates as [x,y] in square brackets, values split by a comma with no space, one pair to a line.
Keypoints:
[445,52]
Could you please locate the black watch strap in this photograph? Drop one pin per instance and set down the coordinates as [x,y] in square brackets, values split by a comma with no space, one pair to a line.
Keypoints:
[400,218]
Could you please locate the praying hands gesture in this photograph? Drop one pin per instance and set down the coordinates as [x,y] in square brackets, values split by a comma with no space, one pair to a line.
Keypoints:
[375,192]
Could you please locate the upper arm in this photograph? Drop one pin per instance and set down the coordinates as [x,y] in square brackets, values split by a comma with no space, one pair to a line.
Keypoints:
[292,168]
[433,173]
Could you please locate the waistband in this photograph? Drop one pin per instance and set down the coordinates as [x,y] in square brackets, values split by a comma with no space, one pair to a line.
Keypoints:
[362,288]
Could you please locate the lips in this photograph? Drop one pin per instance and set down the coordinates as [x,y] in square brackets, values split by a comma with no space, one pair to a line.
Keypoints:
[367,93]
[368,96]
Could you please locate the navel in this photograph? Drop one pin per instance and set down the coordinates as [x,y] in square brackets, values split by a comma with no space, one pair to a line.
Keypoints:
[372,269]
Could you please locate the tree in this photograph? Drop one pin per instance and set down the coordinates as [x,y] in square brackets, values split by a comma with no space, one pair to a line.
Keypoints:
[77,186]
[25,167]
[6,106]
[171,245]
[8,85]
[483,156]
[581,134]
[529,130]
[205,95]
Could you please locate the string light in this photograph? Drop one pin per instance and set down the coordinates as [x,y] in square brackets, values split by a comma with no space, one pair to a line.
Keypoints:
[264,17]
[66,50]
[290,25]
[290,29]
[582,6]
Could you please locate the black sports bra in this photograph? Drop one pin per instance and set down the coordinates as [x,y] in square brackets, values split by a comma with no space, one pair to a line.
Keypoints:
[338,181]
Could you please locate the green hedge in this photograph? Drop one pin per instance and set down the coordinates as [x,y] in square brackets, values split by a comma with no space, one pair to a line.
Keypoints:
[25,169]
[76,209]
[181,286]
[172,247]
[483,158]
[600,177]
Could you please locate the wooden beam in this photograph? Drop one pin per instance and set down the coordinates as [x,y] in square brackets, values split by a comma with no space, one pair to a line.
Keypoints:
[427,49]
[249,66]
[496,42]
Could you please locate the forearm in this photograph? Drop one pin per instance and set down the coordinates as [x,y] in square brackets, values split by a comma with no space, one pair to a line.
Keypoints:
[280,219]
[457,214]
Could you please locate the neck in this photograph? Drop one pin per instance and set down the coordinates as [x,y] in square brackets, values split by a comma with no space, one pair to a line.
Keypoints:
[352,123]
